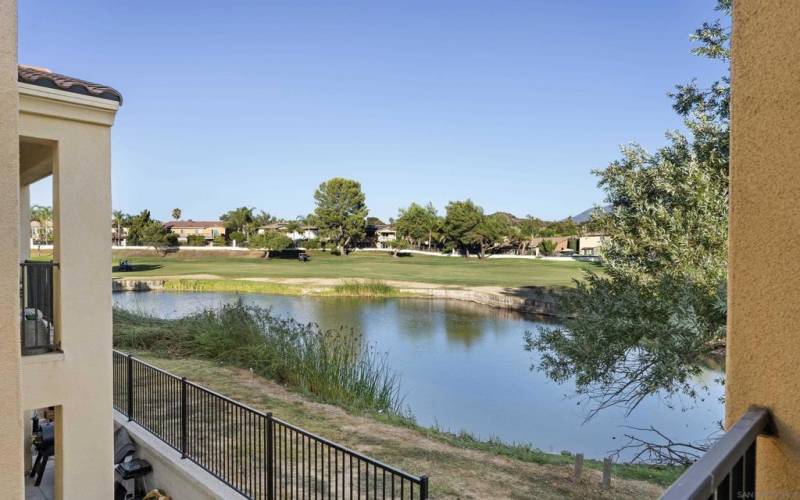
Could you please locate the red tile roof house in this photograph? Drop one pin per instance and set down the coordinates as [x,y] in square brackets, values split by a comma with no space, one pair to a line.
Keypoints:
[209,229]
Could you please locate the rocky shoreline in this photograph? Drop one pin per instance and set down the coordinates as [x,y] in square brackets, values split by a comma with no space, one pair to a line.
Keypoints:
[542,301]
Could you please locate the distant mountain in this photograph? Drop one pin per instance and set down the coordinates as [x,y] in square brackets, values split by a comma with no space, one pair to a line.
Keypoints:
[587,214]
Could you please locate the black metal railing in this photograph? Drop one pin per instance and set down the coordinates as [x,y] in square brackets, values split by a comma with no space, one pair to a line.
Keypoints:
[37,322]
[253,452]
[728,468]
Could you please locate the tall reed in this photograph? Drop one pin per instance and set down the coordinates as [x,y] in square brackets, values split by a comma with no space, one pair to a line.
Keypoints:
[370,288]
[335,365]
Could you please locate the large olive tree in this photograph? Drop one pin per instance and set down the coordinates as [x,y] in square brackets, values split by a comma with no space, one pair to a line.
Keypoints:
[649,320]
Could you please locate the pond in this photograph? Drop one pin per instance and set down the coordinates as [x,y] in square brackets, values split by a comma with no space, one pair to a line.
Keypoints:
[463,367]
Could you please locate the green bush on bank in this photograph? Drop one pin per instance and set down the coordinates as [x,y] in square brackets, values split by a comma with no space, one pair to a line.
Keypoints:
[333,365]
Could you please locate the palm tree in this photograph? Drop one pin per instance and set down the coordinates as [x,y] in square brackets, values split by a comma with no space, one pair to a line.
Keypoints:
[239,219]
[118,217]
[176,213]
[44,216]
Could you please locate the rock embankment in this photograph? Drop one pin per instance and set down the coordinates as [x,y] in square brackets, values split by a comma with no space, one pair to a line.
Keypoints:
[528,300]
[136,285]
[533,300]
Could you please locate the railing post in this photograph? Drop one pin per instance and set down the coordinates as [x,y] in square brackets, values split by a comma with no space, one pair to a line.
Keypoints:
[423,487]
[130,387]
[183,417]
[270,453]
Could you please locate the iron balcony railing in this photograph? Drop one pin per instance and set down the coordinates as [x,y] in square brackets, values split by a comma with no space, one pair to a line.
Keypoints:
[728,468]
[37,323]
[255,453]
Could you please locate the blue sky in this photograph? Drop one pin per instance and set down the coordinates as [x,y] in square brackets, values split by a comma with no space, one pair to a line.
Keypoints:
[510,103]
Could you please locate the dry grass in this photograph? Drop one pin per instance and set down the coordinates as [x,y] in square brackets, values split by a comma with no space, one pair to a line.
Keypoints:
[455,472]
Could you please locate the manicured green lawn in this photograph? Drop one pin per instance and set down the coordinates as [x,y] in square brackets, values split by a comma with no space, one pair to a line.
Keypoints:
[439,270]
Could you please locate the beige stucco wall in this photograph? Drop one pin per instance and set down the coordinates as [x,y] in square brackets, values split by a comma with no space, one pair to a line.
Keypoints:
[763,364]
[24,222]
[11,458]
[77,381]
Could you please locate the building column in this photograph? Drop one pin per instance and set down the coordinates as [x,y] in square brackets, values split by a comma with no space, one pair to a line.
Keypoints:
[83,302]
[763,354]
[11,459]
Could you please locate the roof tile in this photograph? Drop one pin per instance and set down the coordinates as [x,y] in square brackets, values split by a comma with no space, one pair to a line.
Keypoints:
[46,78]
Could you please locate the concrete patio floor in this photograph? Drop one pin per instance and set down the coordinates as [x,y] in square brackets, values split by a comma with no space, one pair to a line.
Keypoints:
[46,490]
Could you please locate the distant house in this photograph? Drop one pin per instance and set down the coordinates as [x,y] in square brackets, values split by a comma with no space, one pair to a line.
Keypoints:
[591,243]
[41,235]
[384,235]
[378,234]
[119,237]
[561,244]
[208,229]
[303,233]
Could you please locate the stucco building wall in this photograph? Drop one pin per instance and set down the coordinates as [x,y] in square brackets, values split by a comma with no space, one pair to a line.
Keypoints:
[77,381]
[11,437]
[763,366]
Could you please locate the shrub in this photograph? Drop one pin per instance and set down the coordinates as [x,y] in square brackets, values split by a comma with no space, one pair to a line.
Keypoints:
[334,365]
[219,241]
[237,236]
[271,241]
[195,240]
[171,239]
[311,244]
[547,247]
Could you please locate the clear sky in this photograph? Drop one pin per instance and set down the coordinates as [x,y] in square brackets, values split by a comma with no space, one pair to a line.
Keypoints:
[510,103]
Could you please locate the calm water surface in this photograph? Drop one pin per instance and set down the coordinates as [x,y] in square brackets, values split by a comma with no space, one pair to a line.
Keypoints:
[463,367]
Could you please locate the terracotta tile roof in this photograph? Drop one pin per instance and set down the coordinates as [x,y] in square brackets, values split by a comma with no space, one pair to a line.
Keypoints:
[200,224]
[46,78]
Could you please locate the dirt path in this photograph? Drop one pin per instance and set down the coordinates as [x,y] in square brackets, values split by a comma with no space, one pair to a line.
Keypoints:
[454,472]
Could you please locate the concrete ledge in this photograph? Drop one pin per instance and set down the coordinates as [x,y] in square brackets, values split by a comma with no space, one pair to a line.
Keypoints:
[176,477]
[49,357]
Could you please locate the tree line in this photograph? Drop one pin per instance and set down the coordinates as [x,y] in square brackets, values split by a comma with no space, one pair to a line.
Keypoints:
[341,217]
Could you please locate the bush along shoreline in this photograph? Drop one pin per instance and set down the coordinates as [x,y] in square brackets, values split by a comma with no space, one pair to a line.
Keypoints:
[335,366]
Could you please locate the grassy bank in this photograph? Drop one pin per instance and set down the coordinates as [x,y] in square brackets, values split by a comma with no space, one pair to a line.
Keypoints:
[350,288]
[459,465]
[238,286]
[331,365]
[662,476]
[437,270]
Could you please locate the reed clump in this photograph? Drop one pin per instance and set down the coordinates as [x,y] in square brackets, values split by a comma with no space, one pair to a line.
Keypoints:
[336,366]
[370,288]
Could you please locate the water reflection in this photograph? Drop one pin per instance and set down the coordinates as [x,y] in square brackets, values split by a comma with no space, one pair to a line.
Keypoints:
[463,367]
